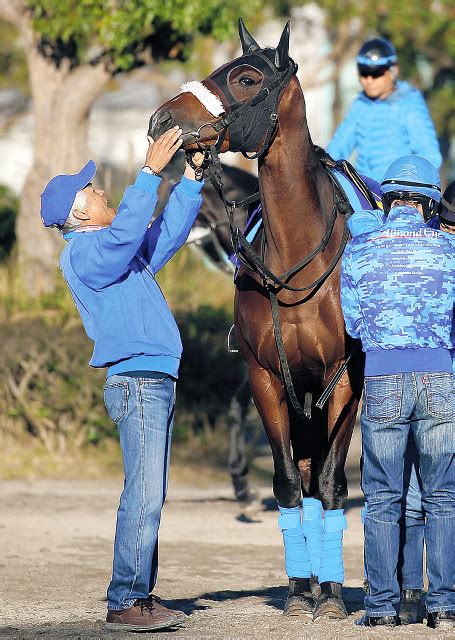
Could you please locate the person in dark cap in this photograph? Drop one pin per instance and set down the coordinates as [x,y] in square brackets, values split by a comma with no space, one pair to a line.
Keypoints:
[447,209]
[109,263]
[388,119]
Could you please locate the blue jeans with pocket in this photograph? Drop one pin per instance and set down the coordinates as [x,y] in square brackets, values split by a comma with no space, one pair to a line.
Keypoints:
[394,406]
[142,406]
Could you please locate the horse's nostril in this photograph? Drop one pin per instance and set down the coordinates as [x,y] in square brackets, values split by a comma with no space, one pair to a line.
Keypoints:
[165,120]
[160,122]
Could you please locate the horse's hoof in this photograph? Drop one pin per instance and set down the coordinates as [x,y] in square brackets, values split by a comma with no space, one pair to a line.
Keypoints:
[330,605]
[300,600]
[299,606]
[253,507]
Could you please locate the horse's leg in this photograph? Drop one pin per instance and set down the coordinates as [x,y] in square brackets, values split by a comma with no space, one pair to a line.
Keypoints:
[270,399]
[237,463]
[309,442]
[342,409]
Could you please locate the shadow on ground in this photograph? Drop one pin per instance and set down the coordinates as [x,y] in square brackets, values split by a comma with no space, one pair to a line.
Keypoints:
[87,630]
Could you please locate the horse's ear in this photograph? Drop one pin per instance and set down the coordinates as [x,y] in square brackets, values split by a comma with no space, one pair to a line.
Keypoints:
[282,50]
[247,40]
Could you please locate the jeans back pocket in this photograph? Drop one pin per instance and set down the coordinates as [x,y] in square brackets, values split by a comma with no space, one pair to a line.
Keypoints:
[440,394]
[383,396]
[116,399]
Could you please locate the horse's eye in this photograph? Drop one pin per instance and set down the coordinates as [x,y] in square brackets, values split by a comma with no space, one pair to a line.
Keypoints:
[246,81]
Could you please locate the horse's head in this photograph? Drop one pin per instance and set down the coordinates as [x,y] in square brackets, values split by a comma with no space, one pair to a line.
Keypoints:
[236,106]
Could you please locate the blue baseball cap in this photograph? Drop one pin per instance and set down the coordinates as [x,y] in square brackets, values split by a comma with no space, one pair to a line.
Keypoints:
[59,194]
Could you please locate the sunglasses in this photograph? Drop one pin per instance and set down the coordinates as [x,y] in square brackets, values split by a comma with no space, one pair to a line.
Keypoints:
[374,72]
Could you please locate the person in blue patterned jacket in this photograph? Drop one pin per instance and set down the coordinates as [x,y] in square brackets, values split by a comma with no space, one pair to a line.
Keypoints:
[388,119]
[397,292]
[410,566]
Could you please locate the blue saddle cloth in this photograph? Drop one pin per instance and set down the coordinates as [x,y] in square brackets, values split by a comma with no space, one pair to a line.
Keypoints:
[356,199]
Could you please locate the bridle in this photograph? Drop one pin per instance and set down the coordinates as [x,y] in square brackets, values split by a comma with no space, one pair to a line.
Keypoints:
[237,112]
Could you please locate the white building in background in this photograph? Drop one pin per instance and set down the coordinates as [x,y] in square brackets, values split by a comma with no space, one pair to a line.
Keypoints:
[119,119]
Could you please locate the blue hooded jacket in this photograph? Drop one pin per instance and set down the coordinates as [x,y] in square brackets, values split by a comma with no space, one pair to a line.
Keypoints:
[383,130]
[397,294]
[111,276]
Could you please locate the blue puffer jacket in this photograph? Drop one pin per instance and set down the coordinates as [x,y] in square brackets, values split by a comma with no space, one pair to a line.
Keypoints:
[111,275]
[383,130]
[398,294]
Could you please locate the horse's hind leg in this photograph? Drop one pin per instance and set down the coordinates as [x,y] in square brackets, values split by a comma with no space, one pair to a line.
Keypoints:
[237,462]
[269,396]
[342,410]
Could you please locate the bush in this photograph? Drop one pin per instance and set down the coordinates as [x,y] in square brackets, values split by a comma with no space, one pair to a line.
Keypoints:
[49,394]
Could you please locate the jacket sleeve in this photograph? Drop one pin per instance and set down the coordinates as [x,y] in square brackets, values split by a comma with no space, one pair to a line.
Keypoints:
[100,258]
[421,131]
[350,302]
[171,228]
[344,142]
[365,221]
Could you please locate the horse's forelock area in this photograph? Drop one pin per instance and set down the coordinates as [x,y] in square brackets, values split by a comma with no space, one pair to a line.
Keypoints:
[209,100]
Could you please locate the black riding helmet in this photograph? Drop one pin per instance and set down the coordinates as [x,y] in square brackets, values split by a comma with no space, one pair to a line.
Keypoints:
[447,205]
[376,56]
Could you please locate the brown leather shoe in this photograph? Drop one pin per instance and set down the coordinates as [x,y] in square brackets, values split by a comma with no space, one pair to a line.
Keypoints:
[159,606]
[147,614]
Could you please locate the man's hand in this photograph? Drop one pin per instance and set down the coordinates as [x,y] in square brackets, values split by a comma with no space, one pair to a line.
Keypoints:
[161,151]
[197,159]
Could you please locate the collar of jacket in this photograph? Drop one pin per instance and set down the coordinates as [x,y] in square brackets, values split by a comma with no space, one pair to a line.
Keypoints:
[402,89]
[73,234]
[405,215]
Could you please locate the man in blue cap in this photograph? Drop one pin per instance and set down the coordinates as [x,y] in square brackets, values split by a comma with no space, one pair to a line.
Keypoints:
[109,263]
[398,288]
[388,119]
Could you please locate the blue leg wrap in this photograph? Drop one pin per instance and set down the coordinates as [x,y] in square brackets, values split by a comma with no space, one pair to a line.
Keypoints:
[331,568]
[296,555]
[312,528]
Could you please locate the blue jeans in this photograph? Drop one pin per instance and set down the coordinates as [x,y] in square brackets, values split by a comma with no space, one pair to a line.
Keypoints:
[394,406]
[412,525]
[142,406]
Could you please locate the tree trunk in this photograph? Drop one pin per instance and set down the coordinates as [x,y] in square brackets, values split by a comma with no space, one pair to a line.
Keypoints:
[62,98]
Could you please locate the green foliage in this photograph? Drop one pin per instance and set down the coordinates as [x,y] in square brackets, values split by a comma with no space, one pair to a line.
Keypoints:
[120,31]
[8,211]
[13,68]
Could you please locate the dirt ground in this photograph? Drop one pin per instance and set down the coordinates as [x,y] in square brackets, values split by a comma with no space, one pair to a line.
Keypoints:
[225,572]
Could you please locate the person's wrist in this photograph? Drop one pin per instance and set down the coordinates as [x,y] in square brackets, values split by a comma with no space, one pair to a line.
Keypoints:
[147,169]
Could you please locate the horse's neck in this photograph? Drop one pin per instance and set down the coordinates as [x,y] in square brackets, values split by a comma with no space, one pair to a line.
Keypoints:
[294,186]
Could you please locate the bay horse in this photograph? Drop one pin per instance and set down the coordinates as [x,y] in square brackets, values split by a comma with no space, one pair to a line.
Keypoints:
[254,104]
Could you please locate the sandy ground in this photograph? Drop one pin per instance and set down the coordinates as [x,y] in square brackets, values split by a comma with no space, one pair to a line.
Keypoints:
[225,572]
